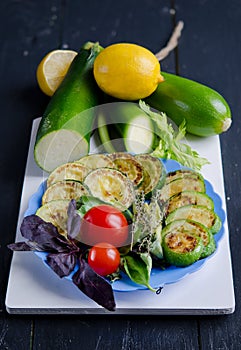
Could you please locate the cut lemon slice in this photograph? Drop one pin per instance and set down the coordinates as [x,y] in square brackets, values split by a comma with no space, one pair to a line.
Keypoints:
[53,68]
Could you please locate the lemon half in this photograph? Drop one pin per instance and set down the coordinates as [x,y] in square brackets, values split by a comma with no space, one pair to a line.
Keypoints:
[53,68]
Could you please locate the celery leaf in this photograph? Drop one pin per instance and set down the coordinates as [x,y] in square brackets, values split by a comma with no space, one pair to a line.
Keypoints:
[169,146]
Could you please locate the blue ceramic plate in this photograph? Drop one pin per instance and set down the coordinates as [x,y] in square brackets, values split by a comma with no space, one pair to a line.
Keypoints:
[159,277]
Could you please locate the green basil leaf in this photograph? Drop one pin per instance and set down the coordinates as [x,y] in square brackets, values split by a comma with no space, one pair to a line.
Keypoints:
[85,203]
[138,268]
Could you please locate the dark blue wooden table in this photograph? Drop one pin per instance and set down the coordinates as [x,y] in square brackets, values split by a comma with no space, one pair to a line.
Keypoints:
[209,51]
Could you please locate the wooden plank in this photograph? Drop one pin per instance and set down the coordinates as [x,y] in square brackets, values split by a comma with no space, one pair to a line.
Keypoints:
[146,23]
[209,53]
[15,332]
[123,332]
[26,33]
[22,47]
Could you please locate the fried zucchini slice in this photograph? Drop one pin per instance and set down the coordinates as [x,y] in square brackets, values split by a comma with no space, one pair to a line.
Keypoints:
[154,174]
[186,198]
[179,185]
[123,155]
[128,165]
[94,161]
[196,229]
[65,189]
[68,171]
[55,212]
[183,173]
[111,186]
[182,248]
[198,213]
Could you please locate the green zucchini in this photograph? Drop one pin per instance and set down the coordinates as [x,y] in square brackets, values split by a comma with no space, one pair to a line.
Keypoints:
[65,189]
[197,213]
[111,186]
[128,165]
[68,171]
[195,229]
[186,198]
[64,131]
[55,212]
[154,174]
[182,248]
[132,124]
[179,185]
[205,111]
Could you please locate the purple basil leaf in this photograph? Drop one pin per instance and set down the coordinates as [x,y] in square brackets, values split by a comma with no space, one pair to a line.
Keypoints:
[62,263]
[94,286]
[30,225]
[19,246]
[73,223]
[44,235]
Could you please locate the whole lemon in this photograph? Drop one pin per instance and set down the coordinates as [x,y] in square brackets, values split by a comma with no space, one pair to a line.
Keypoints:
[127,71]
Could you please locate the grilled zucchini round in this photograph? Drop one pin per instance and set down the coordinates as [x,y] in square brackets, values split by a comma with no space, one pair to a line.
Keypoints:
[154,174]
[183,173]
[98,160]
[179,185]
[195,229]
[65,189]
[68,171]
[128,165]
[55,212]
[111,186]
[182,248]
[186,198]
[197,213]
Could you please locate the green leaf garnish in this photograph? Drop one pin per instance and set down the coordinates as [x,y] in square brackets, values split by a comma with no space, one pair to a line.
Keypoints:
[138,268]
[170,146]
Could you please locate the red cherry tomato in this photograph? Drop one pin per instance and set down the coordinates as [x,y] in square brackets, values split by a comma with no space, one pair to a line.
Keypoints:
[104,223]
[104,258]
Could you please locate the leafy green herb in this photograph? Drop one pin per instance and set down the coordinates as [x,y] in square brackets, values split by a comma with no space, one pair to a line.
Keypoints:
[170,146]
[85,203]
[138,267]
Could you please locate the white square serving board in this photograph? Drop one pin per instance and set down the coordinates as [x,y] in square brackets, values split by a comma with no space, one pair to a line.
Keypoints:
[35,289]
